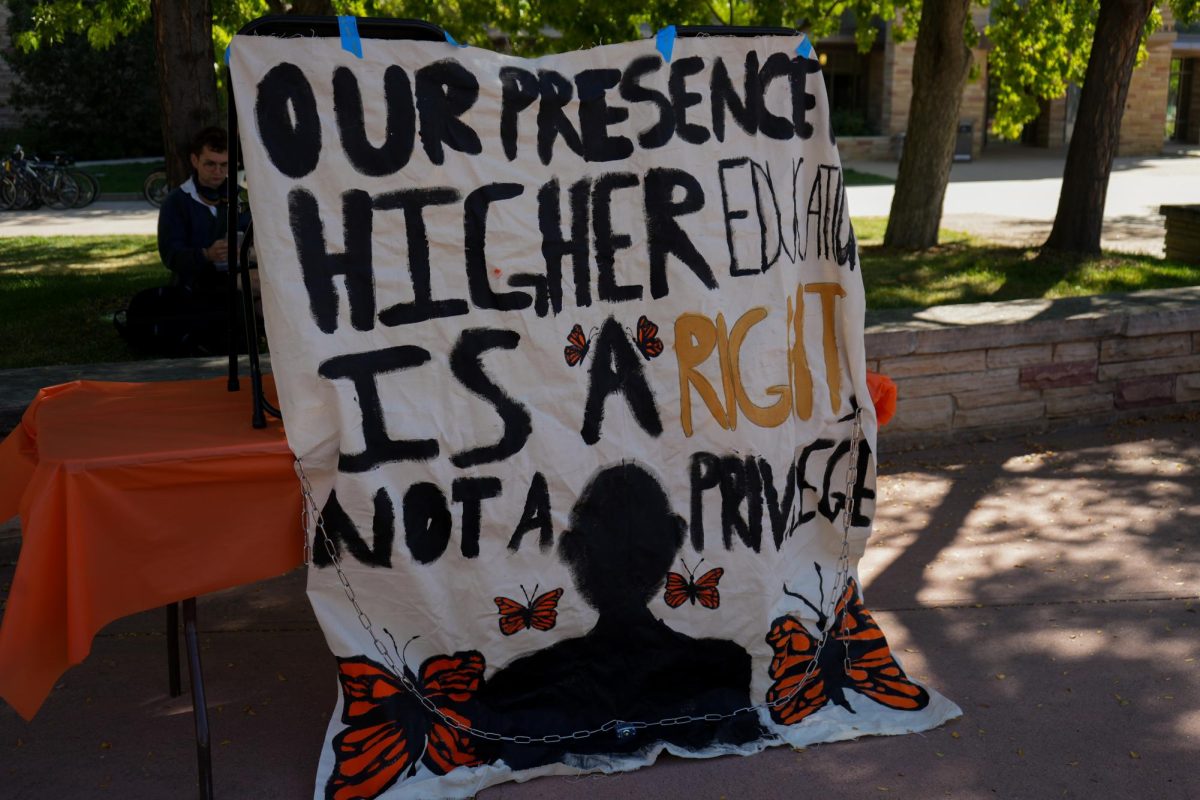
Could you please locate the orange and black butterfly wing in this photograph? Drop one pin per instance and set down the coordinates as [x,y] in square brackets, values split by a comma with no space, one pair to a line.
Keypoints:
[514,617]
[706,588]
[450,683]
[798,685]
[647,340]
[543,612]
[679,590]
[874,671]
[385,733]
[577,346]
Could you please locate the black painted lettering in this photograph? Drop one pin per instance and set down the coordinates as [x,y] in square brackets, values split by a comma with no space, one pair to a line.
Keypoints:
[467,366]
[608,242]
[778,510]
[776,66]
[319,266]
[339,528]
[423,307]
[617,369]
[665,236]
[596,115]
[471,492]
[661,131]
[288,123]
[724,98]
[391,156]
[802,101]
[364,369]
[705,474]
[551,121]
[426,522]
[519,88]
[554,246]
[475,213]
[682,99]
[445,90]
[536,516]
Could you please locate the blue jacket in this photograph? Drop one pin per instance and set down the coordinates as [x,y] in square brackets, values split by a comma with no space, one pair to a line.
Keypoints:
[186,227]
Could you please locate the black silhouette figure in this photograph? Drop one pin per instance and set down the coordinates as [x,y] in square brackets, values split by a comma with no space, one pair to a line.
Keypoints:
[623,539]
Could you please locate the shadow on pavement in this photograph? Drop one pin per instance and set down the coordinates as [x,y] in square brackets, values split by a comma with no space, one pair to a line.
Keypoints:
[1048,586]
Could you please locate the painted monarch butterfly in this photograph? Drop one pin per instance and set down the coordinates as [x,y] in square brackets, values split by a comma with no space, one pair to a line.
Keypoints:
[646,339]
[539,613]
[855,656]
[680,589]
[389,731]
[577,346]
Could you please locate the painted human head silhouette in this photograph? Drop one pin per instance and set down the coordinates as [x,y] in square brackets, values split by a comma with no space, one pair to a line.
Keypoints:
[623,538]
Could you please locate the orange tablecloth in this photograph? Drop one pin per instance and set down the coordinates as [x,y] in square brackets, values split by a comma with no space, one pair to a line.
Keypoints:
[132,496]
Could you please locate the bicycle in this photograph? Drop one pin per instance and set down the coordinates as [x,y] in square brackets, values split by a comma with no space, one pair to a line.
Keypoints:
[50,184]
[155,187]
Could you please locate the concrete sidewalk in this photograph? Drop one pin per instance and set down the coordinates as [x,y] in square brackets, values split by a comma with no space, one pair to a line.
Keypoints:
[1049,586]
[1009,196]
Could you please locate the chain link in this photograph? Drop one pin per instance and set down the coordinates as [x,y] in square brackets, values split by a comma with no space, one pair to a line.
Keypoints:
[623,728]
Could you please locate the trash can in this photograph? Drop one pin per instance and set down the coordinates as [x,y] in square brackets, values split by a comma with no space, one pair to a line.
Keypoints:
[898,146]
[962,143]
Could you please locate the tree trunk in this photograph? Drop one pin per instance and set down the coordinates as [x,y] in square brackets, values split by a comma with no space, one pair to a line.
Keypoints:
[1080,214]
[187,84]
[940,68]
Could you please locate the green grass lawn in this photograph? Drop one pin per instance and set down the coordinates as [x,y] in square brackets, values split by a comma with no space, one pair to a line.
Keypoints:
[116,178]
[856,178]
[58,294]
[962,269]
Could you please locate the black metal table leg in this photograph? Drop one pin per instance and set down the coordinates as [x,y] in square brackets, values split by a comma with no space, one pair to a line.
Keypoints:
[199,705]
[173,683]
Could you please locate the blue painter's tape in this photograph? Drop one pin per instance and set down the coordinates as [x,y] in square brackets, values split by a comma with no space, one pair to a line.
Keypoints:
[228,47]
[805,47]
[450,40]
[665,42]
[348,28]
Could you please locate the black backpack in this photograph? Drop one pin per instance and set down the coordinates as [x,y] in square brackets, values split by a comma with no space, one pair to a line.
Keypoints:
[174,322]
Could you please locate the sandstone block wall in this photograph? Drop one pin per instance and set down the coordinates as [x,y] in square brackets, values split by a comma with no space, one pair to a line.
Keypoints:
[994,368]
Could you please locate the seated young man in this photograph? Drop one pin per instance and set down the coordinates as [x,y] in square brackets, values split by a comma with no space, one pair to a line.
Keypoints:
[192,226]
[192,220]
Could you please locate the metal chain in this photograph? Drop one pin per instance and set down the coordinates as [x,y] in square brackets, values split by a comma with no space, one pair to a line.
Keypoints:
[622,728]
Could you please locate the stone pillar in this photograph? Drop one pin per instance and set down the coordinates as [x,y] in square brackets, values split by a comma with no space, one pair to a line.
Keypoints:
[897,86]
[1144,123]
[1192,134]
[974,102]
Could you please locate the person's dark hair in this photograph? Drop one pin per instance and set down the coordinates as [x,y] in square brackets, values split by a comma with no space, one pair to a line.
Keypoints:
[213,138]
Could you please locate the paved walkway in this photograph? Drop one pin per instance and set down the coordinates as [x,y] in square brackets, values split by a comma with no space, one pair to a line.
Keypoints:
[1009,196]
[1048,586]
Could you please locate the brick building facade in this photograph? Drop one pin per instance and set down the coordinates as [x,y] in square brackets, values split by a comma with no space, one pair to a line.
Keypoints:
[878,87]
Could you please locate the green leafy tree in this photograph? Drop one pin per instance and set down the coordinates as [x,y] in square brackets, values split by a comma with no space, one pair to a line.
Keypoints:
[941,64]
[1120,28]
[91,103]
[1042,46]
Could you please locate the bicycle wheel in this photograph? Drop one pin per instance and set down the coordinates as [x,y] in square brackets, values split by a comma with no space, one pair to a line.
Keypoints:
[58,190]
[8,193]
[89,187]
[155,188]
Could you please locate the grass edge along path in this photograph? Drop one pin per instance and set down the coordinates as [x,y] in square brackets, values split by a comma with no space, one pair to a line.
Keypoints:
[58,294]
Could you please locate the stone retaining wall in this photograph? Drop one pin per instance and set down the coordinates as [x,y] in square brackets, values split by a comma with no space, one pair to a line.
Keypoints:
[1021,366]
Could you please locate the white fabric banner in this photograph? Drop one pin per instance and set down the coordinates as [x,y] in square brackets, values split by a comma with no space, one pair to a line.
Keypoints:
[571,350]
